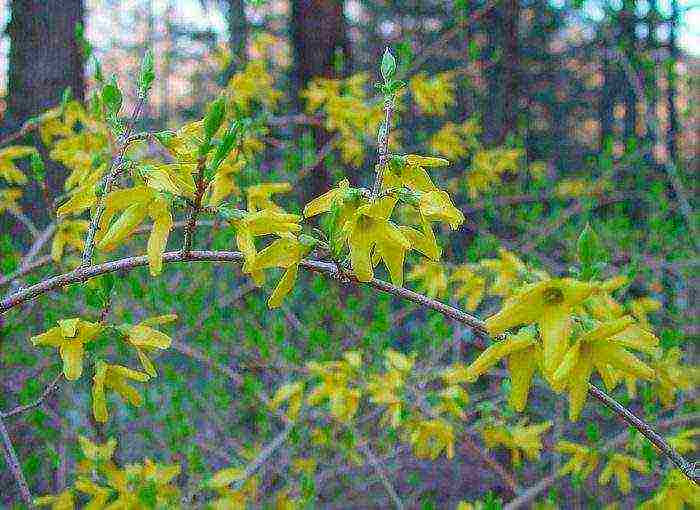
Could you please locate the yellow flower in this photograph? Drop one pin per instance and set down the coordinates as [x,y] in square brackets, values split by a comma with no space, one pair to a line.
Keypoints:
[436,205]
[99,495]
[70,337]
[368,232]
[8,199]
[147,339]
[519,439]
[175,178]
[83,197]
[409,171]
[435,94]
[114,377]
[523,353]
[548,304]
[599,349]
[249,225]
[287,253]
[137,203]
[8,169]
[223,185]
[471,285]
[62,501]
[335,386]
[509,271]
[292,393]
[95,452]
[672,376]
[259,195]
[619,465]
[431,437]
[584,460]
[432,277]
[641,307]
[68,233]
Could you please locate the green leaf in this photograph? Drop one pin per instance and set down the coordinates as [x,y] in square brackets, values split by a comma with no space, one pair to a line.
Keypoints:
[147,73]
[388,67]
[591,253]
[112,96]
[214,118]
[38,168]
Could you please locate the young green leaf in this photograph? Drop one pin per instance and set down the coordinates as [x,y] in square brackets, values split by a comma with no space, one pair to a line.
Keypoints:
[388,67]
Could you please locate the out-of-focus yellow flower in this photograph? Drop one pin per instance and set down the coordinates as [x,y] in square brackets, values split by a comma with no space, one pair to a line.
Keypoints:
[431,437]
[68,233]
[432,278]
[519,439]
[8,169]
[435,94]
[470,285]
[619,465]
[292,393]
[584,459]
[8,199]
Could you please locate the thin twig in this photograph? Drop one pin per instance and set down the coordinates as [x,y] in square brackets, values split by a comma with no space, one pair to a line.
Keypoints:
[14,465]
[85,273]
[52,387]
[256,463]
[109,182]
[382,476]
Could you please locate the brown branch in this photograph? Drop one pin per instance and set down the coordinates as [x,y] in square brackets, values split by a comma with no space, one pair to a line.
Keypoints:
[114,169]
[85,273]
[52,387]
[14,465]
[196,207]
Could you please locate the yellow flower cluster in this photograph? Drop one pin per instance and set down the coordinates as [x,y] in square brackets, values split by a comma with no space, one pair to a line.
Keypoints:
[347,111]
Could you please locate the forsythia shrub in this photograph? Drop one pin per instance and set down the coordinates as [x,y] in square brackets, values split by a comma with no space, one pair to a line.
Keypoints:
[554,331]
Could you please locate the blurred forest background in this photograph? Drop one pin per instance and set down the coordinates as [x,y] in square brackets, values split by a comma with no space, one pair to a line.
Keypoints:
[596,100]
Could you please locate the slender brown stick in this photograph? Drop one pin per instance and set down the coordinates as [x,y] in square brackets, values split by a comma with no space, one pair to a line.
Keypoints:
[14,465]
[53,386]
[196,207]
[383,145]
[109,182]
[85,273]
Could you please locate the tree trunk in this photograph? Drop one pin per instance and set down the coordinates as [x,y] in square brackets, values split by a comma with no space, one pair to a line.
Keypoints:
[321,49]
[511,67]
[629,38]
[672,137]
[45,56]
[237,35]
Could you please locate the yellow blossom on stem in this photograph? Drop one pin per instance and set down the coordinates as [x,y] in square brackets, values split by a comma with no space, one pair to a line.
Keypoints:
[114,377]
[70,337]
[146,339]
[599,349]
[519,439]
[548,304]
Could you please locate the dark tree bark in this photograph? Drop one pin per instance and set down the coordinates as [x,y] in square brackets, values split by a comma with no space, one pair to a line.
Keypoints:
[501,112]
[629,40]
[321,49]
[672,136]
[45,56]
[237,35]
[511,66]
[607,96]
